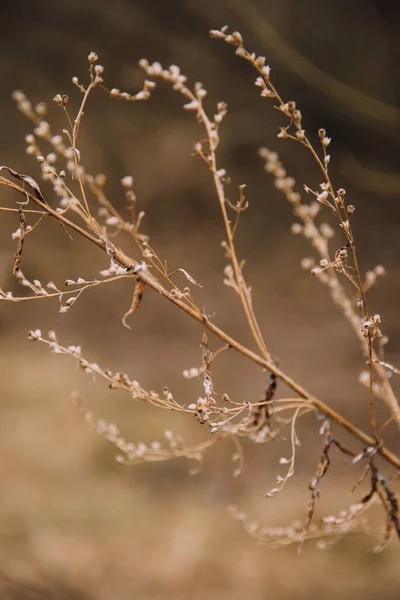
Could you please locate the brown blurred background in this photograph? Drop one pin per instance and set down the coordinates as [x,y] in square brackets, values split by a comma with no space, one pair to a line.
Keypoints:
[73,523]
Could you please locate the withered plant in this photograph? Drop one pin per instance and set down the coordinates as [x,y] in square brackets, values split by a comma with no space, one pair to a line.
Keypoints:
[80,204]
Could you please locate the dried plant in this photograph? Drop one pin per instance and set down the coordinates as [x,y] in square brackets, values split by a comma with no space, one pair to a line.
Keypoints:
[80,204]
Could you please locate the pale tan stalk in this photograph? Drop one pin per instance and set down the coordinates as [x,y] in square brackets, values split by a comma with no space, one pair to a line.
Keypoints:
[295,119]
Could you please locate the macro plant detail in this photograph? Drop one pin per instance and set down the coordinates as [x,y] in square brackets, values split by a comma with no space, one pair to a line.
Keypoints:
[80,204]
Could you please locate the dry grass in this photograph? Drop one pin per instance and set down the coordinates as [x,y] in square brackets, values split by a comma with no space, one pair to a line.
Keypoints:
[81,206]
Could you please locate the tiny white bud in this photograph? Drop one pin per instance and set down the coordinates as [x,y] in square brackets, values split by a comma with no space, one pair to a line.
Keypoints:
[127,182]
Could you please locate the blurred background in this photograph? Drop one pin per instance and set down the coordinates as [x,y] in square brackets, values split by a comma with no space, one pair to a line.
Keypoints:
[74,524]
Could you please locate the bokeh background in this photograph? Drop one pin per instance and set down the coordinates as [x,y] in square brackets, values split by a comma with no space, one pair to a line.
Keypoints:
[73,523]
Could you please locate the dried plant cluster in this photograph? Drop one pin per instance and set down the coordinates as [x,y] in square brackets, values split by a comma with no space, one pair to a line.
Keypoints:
[80,204]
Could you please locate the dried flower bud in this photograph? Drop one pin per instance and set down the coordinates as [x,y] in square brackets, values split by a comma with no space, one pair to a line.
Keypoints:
[300,134]
[237,37]
[92,58]
[127,182]
[283,133]
[216,34]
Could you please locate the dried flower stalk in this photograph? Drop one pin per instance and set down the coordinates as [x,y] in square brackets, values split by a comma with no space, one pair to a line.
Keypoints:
[89,213]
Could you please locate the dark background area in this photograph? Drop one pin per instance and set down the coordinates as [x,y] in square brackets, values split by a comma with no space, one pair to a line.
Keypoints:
[75,524]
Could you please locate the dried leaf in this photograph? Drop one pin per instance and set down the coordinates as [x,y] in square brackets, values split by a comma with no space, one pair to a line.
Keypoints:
[22,230]
[136,300]
[26,179]
[186,274]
